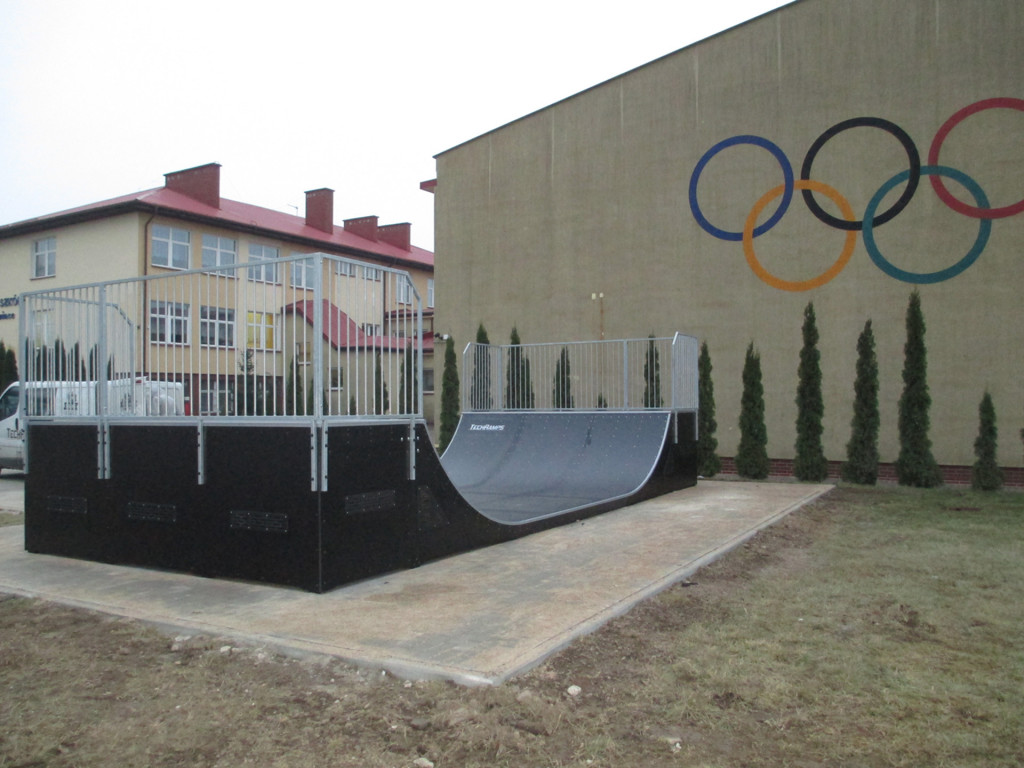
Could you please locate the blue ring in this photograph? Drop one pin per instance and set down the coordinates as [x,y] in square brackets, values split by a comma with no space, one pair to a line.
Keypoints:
[984,228]
[787,194]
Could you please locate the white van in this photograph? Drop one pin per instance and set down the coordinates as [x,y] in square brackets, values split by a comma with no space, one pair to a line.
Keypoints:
[125,397]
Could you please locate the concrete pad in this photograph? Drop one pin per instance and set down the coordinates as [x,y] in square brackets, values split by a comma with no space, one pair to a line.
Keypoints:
[12,491]
[476,618]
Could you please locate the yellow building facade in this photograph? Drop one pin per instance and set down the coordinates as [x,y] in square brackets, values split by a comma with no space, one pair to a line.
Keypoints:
[185,226]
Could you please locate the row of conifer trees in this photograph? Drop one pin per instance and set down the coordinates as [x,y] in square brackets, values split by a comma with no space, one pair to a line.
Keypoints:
[915,464]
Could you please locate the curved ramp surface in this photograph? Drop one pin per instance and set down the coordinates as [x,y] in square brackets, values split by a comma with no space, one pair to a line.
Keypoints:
[517,468]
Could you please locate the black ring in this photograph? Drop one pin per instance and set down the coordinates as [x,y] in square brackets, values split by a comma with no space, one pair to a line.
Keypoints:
[871,122]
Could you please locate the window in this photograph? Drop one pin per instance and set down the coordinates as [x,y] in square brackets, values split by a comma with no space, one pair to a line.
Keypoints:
[168,322]
[218,251]
[216,397]
[338,378]
[428,379]
[217,327]
[372,329]
[372,273]
[346,268]
[304,273]
[172,248]
[260,333]
[264,273]
[430,293]
[9,403]
[44,258]
[403,287]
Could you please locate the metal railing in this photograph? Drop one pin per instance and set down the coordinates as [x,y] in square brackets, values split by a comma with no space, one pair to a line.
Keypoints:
[624,374]
[311,335]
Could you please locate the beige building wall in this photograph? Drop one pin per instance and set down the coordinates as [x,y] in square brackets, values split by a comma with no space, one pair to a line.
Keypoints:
[591,196]
[94,251]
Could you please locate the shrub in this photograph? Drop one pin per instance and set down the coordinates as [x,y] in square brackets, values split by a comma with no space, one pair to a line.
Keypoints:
[862,451]
[752,454]
[652,376]
[986,474]
[449,396]
[915,465]
[480,384]
[561,394]
[708,462]
[518,386]
[809,463]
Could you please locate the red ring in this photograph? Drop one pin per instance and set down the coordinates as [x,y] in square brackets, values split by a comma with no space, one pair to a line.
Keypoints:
[933,159]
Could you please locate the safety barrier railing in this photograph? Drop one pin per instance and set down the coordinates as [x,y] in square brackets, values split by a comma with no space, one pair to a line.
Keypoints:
[311,335]
[624,374]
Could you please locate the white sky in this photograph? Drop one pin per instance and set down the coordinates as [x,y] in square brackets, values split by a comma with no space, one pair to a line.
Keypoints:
[100,98]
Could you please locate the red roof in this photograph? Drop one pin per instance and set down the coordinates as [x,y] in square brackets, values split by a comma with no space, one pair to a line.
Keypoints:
[232,215]
[342,332]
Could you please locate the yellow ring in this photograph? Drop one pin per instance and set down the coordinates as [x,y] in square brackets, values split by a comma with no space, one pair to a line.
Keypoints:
[828,274]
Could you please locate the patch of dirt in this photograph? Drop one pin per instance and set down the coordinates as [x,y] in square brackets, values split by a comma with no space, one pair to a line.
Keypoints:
[83,689]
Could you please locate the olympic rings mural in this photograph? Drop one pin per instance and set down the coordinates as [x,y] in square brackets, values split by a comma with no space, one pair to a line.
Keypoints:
[911,176]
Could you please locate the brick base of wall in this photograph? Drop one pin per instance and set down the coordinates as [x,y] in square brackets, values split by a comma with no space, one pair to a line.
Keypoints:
[952,474]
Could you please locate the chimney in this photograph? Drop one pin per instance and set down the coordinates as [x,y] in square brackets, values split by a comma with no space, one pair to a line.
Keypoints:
[398,235]
[201,183]
[320,209]
[365,227]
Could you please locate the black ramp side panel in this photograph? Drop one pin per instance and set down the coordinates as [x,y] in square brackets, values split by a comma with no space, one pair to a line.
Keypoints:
[516,468]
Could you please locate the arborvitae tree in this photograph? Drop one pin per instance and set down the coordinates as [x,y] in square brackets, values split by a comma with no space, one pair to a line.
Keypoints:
[310,398]
[518,385]
[652,376]
[60,361]
[254,388]
[986,474]
[708,462]
[352,410]
[602,401]
[561,395]
[862,451]
[289,390]
[408,396]
[381,399]
[8,367]
[915,464]
[480,384]
[809,463]
[752,454]
[449,396]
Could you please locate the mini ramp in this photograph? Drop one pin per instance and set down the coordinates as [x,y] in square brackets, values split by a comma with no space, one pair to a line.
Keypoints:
[505,475]
[295,450]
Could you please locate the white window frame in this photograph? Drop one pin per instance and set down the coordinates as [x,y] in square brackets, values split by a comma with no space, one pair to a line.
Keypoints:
[44,258]
[218,251]
[375,274]
[261,330]
[403,290]
[304,274]
[217,327]
[345,268]
[337,379]
[216,397]
[263,273]
[171,247]
[430,293]
[166,317]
